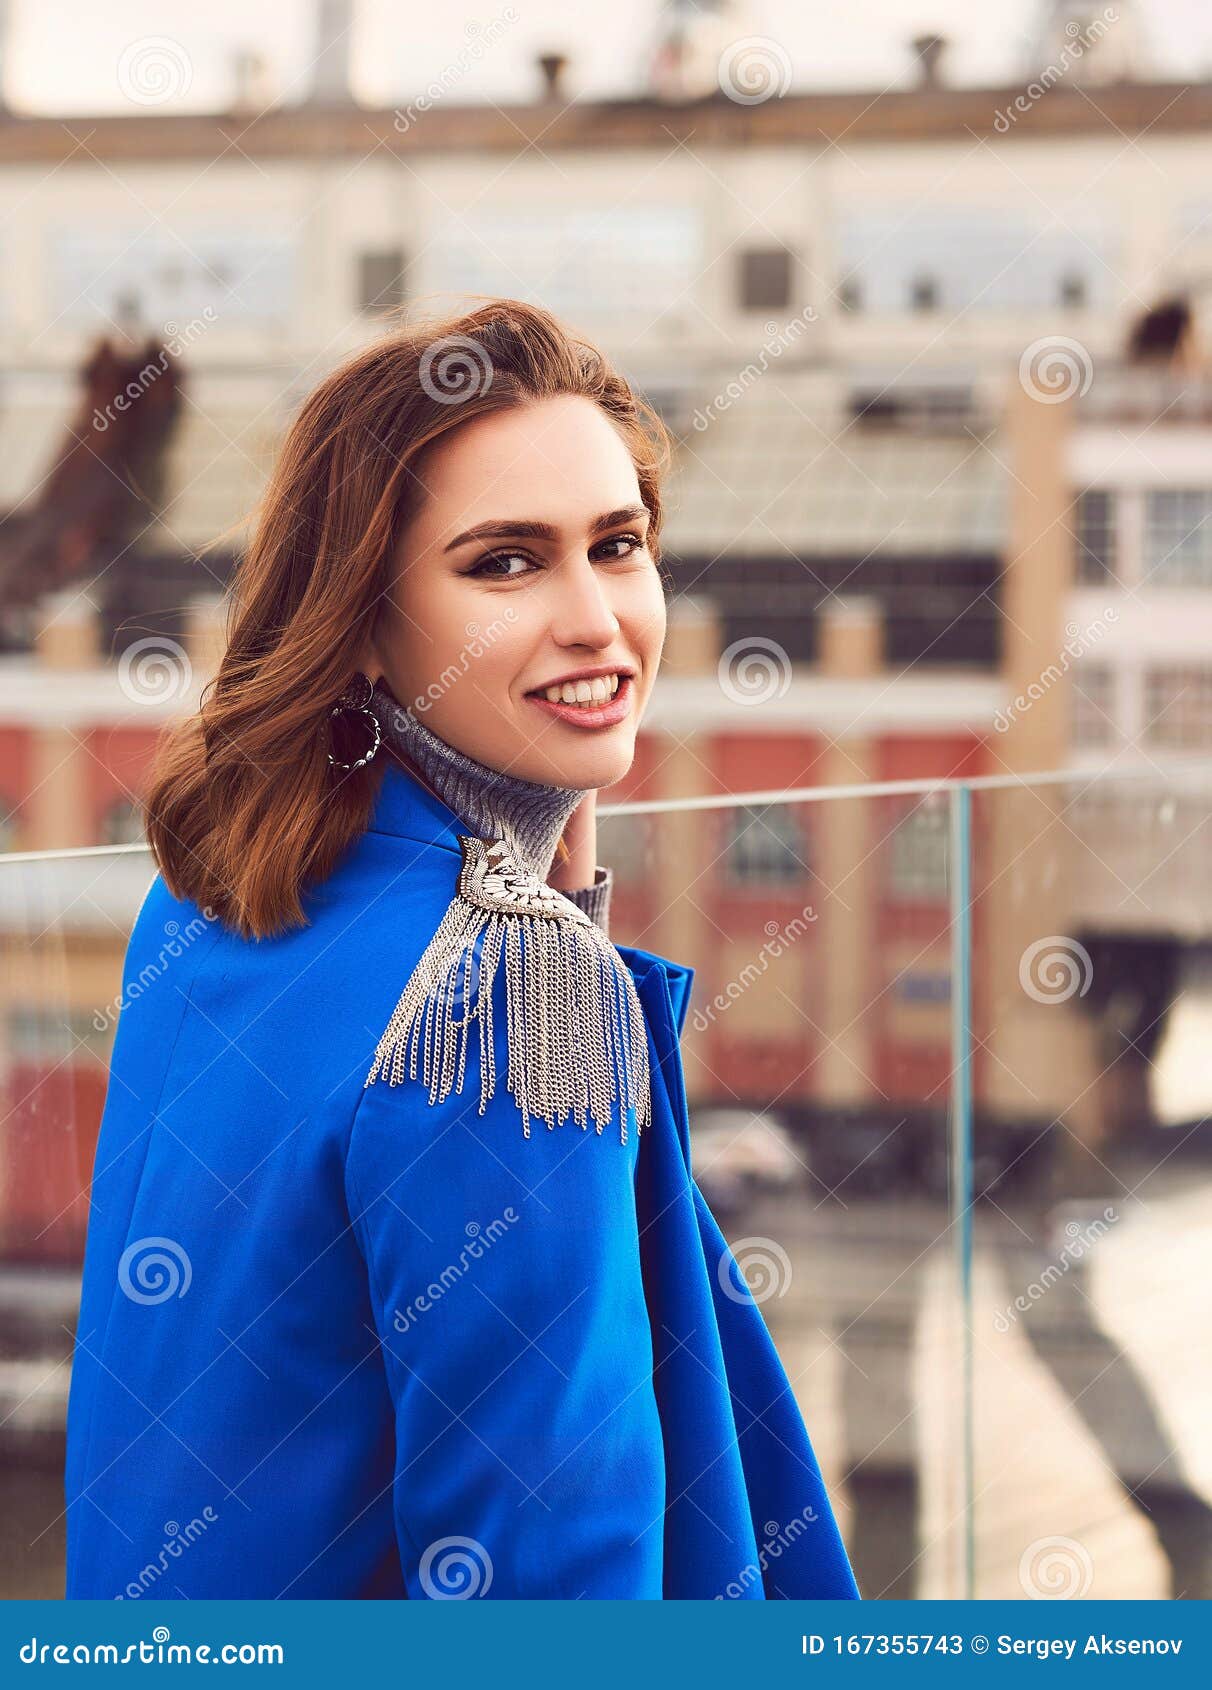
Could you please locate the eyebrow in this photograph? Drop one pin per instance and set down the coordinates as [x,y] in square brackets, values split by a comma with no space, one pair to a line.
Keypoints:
[522,529]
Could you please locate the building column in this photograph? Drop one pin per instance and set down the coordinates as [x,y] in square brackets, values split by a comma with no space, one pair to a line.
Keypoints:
[851,648]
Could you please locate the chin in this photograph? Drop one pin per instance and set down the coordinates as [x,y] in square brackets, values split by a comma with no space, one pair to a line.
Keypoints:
[589,765]
[594,768]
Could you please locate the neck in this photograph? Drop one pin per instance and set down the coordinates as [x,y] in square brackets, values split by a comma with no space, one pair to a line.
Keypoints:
[528,815]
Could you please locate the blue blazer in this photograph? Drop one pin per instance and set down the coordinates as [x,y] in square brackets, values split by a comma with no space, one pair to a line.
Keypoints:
[337,1341]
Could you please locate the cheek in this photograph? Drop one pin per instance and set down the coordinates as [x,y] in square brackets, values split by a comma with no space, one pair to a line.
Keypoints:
[642,611]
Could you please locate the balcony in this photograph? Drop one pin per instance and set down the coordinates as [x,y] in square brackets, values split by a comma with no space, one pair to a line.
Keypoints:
[946,1064]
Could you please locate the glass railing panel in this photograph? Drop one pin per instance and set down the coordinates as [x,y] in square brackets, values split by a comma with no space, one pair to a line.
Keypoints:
[818,1062]
[1091,1037]
[65,918]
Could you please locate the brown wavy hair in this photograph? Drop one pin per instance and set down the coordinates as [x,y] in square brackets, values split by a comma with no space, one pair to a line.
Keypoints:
[243,809]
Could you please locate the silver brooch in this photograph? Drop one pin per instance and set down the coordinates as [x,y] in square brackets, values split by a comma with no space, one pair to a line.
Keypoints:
[575,1028]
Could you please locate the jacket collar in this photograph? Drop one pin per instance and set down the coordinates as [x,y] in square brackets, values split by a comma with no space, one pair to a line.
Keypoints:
[406,808]
[409,810]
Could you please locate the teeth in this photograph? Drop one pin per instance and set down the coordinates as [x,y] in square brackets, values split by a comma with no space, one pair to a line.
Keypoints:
[591,693]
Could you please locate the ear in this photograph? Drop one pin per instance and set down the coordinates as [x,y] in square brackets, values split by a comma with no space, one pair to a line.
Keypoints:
[369,660]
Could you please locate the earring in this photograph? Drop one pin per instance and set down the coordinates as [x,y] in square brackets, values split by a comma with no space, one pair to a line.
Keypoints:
[354,700]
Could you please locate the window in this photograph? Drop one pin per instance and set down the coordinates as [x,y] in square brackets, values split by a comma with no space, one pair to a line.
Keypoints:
[381,279]
[1178,537]
[122,824]
[9,824]
[629,846]
[1095,535]
[924,293]
[765,280]
[174,274]
[917,853]
[920,986]
[918,408]
[1073,291]
[850,294]
[981,257]
[1093,704]
[1178,706]
[765,846]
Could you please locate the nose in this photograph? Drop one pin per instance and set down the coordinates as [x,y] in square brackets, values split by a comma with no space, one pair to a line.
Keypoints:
[582,613]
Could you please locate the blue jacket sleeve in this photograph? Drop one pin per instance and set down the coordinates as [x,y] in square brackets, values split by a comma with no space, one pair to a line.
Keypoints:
[508,1301]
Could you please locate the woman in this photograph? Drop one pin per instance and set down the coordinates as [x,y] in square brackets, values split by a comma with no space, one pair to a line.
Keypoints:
[397,1281]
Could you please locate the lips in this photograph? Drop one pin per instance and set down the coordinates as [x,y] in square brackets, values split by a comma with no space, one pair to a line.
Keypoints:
[610,705]
[585,690]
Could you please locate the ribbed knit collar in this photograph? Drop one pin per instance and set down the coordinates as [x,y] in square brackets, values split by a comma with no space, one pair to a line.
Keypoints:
[529,815]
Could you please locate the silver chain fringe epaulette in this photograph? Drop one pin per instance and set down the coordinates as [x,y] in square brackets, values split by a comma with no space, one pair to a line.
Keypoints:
[575,1027]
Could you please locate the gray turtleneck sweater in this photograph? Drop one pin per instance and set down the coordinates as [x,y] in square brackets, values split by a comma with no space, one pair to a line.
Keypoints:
[529,815]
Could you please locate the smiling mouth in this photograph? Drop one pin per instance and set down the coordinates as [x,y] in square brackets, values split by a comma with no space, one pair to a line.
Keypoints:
[597,691]
[599,702]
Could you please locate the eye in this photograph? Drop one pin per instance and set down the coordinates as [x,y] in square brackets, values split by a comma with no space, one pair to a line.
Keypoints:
[633,542]
[486,565]
[496,565]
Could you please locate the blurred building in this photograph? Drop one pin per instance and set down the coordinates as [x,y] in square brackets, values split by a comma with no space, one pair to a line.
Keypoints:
[934,362]
[942,508]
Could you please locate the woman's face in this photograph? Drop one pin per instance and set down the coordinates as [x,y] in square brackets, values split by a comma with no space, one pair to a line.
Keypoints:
[526,567]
